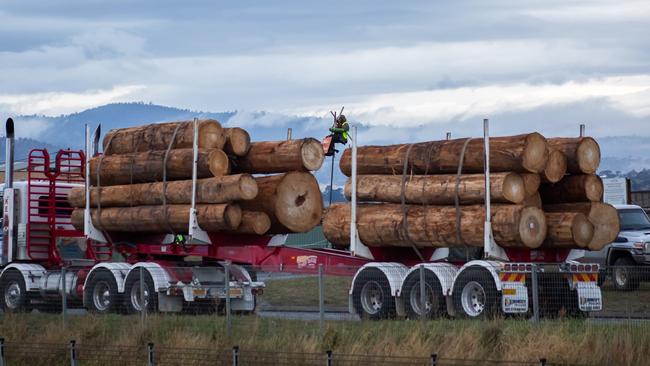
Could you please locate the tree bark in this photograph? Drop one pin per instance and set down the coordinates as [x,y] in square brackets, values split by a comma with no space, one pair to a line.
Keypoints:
[148,166]
[209,190]
[531,183]
[269,157]
[381,225]
[157,136]
[438,189]
[582,153]
[522,153]
[238,141]
[573,188]
[151,219]
[568,229]
[555,167]
[603,216]
[293,202]
[253,223]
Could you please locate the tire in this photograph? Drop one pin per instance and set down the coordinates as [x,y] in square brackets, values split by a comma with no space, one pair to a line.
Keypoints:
[101,295]
[132,293]
[475,294]
[624,274]
[13,293]
[371,295]
[411,292]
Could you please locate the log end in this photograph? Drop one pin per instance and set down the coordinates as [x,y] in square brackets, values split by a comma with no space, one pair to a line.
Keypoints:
[312,154]
[531,182]
[219,163]
[582,230]
[514,189]
[238,141]
[232,216]
[556,167]
[532,227]
[535,153]
[534,200]
[254,223]
[606,224]
[588,155]
[594,188]
[211,135]
[299,204]
[248,187]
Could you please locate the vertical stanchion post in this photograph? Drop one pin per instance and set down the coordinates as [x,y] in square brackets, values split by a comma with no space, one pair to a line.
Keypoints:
[448,136]
[228,319]
[582,130]
[353,187]
[321,299]
[535,281]
[423,297]
[64,297]
[542,362]
[434,359]
[235,356]
[289,132]
[150,356]
[73,352]
[143,307]
[2,352]
[329,357]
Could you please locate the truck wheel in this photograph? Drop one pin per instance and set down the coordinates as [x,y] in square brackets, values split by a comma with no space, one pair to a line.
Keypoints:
[435,302]
[371,295]
[132,298]
[101,294]
[475,294]
[14,293]
[624,274]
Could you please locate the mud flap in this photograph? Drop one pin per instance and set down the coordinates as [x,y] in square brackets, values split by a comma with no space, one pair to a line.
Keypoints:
[589,296]
[514,297]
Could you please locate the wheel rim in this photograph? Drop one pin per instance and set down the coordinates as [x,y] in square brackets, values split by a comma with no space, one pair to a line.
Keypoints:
[102,296]
[620,274]
[372,297]
[135,296]
[13,295]
[414,298]
[473,299]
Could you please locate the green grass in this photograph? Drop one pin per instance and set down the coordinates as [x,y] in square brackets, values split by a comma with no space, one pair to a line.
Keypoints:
[303,291]
[564,341]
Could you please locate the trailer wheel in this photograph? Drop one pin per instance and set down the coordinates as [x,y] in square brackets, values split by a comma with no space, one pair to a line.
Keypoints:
[625,275]
[371,295]
[132,298]
[475,294]
[101,295]
[435,301]
[14,297]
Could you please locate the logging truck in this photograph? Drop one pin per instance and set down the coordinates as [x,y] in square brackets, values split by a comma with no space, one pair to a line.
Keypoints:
[157,276]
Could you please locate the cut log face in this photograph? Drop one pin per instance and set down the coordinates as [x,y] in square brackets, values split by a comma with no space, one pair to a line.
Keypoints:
[438,189]
[268,157]
[238,141]
[603,216]
[158,136]
[522,153]
[160,219]
[582,153]
[534,200]
[148,166]
[292,201]
[555,167]
[209,190]
[253,223]
[531,183]
[380,225]
[568,229]
[573,188]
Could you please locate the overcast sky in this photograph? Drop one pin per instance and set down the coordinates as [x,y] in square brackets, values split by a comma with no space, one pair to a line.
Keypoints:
[544,64]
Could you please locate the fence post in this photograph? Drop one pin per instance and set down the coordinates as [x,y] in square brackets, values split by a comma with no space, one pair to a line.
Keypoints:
[2,352]
[542,362]
[64,297]
[143,308]
[228,319]
[321,299]
[73,352]
[423,298]
[235,356]
[434,359]
[329,357]
[535,291]
[150,356]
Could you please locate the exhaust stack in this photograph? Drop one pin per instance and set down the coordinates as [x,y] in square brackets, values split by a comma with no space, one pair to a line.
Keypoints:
[9,153]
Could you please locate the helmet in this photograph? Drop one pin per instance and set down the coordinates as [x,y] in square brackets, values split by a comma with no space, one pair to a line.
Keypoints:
[342,119]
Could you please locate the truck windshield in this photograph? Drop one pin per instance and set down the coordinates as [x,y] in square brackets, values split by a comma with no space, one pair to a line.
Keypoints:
[634,219]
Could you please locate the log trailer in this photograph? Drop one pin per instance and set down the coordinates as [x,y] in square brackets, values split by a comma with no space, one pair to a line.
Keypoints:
[386,283]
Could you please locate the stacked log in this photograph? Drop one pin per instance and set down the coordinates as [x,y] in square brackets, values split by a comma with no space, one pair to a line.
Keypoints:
[424,195]
[143,182]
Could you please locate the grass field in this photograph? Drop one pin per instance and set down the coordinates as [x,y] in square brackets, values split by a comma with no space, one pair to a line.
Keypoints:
[567,341]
